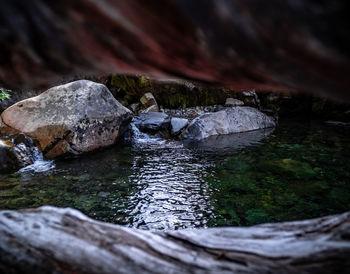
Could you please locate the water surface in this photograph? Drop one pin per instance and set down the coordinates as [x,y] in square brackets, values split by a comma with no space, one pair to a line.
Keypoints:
[301,170]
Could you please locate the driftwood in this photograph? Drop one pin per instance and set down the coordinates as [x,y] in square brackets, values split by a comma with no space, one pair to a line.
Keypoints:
[55,240]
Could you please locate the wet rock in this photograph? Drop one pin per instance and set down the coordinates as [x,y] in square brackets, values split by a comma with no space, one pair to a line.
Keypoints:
[153,108]
[230,120]
[19,153]
[152,121]
[231,102]
[338,123]
[177,125]
[229,143]
[148,100]
[70,119]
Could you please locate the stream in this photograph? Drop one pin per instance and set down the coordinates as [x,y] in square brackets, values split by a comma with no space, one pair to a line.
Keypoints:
[299,170]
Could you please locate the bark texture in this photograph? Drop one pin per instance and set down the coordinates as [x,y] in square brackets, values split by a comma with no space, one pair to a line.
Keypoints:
[56,240]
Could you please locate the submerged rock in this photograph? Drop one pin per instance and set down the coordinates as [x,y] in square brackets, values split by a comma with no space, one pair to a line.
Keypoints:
[230,120]
[16,153]
[177,125]
[152,121]
[70,119]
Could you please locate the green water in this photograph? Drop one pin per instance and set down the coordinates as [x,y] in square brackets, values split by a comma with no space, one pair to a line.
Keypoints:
[301,170]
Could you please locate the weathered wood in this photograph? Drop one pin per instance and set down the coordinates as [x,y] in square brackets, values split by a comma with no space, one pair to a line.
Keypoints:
[56,240]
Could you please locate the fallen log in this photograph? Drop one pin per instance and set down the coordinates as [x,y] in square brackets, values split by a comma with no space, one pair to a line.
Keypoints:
[57,240]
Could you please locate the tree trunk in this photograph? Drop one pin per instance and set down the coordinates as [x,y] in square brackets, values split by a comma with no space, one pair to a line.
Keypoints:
[56,240]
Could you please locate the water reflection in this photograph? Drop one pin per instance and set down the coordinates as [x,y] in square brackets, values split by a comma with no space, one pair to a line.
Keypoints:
[171,178]
[172,192]
[228,144]
[150,183]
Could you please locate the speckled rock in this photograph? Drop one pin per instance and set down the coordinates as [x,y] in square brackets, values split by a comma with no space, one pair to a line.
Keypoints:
[70,119]
[230,120]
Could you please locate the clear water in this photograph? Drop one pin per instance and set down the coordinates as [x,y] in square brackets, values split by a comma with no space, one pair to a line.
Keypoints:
[301,170]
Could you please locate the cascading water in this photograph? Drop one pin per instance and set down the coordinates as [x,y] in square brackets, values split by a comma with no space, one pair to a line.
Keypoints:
[40,164]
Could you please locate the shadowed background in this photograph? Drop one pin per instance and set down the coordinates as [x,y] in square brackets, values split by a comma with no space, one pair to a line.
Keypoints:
[296,45]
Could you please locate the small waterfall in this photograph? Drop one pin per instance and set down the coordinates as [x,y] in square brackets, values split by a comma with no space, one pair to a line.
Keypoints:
[144,140]
[139,138]
[40,164]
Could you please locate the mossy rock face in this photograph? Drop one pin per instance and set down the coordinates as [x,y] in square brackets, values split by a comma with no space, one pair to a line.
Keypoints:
[131,88]
[169,94]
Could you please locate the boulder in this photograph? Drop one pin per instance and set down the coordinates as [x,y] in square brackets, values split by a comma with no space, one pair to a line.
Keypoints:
[152,121]
[148,100]
[230,120]
[6,130]
[177,125]
[70,119]
[17,153]
[231,102]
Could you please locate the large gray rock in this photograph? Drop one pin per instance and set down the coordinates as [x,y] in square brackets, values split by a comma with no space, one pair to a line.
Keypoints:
[152,121]
[177,125]
[70,119]
[230,120]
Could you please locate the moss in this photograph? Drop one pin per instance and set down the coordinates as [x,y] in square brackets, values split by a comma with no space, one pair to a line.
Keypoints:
[167,94]
[130,88]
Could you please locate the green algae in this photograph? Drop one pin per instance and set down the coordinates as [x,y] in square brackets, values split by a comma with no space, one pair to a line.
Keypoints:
[297,173]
